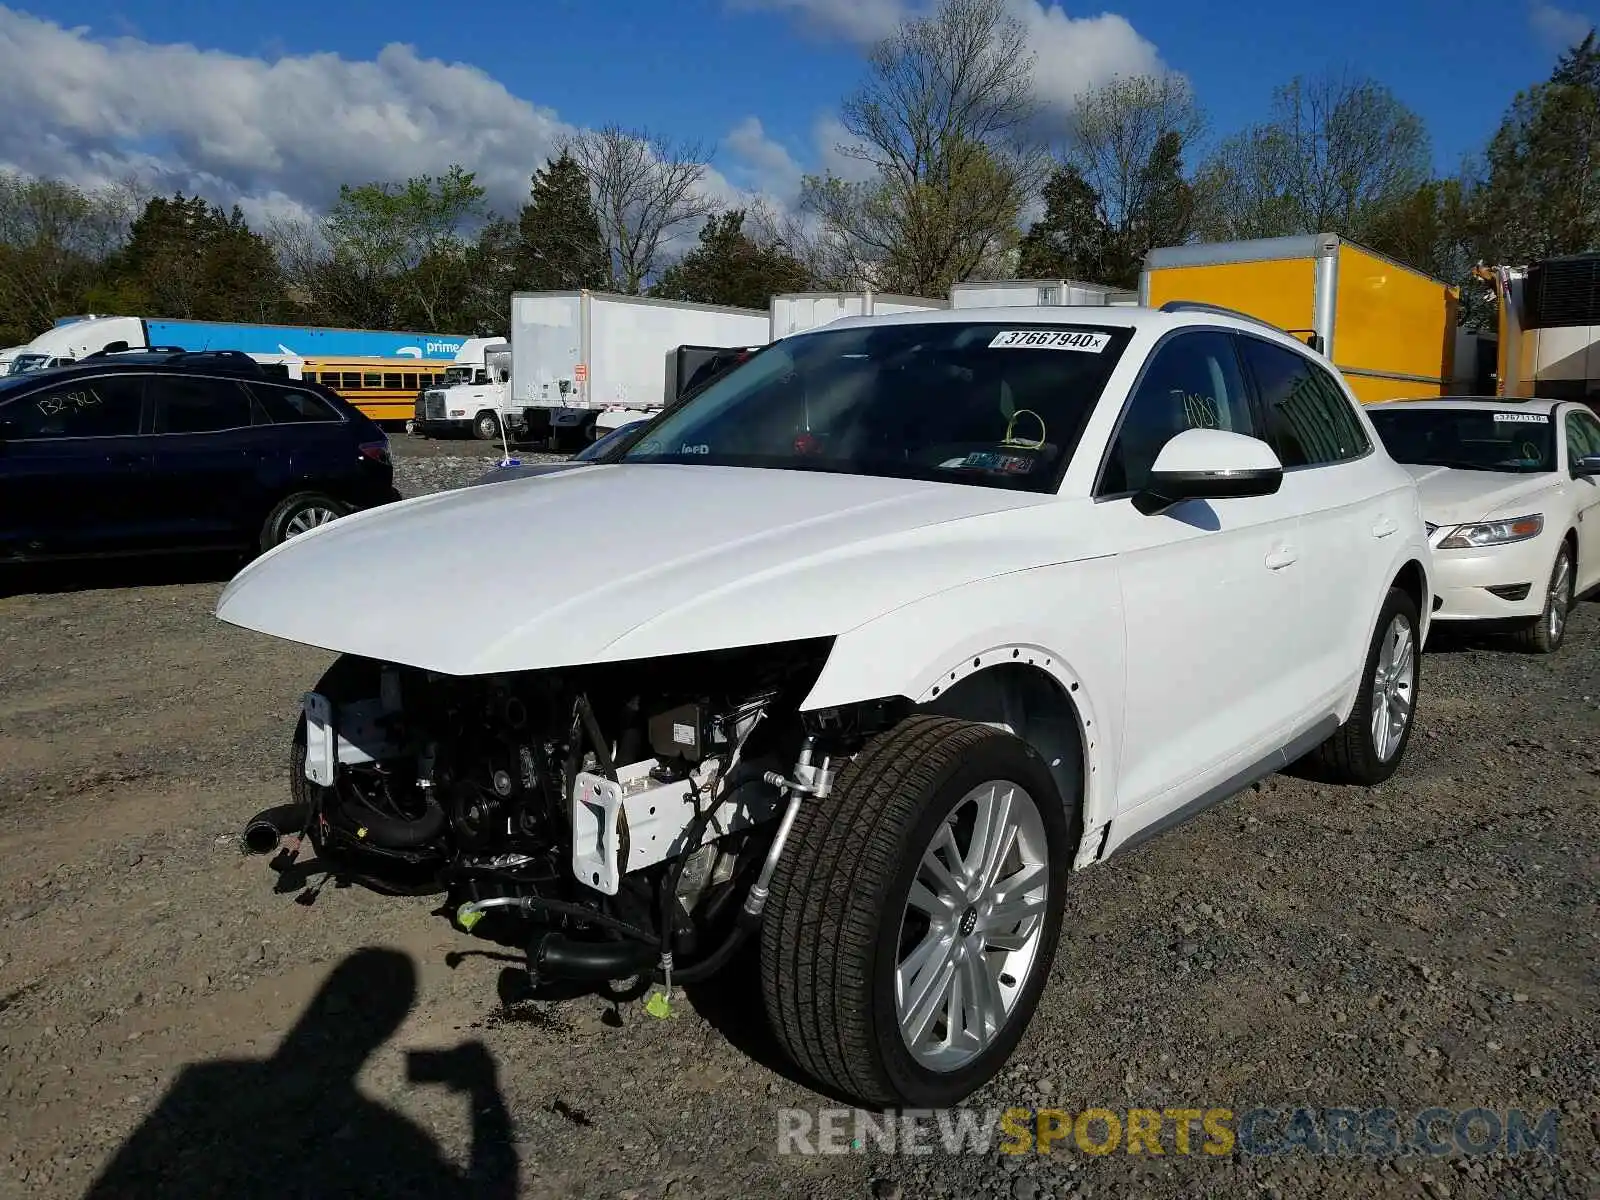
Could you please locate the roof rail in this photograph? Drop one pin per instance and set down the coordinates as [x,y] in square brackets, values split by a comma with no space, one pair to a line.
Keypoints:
[1314,338]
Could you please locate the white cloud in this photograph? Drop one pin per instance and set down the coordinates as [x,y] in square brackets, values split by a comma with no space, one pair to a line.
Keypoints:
[764,165]
[1074,54]
[859,21]
[1558,28]
[277,137]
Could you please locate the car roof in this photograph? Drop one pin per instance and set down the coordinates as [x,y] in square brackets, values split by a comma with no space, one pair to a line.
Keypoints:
[1533,404]
[1122,316]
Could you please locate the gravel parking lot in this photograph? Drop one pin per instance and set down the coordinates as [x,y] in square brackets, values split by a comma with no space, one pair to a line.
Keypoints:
[1431,942]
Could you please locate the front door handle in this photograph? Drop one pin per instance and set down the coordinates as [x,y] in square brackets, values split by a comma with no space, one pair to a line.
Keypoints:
[1384,527]
[1280,557]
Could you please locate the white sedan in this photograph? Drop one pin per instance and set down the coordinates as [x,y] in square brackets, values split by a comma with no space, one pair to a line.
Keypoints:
[1511,492]
[863,652]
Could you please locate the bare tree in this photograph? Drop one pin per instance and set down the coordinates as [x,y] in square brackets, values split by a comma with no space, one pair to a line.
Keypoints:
[647,191]
[54,240]
[945,121]
[1335,155]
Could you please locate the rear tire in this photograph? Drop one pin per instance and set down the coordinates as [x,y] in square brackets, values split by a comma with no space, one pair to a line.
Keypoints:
[1545,633]
[298,513]
[1367,748]
[840,926]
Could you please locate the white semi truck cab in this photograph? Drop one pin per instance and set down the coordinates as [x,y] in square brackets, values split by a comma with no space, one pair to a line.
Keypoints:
[476,396]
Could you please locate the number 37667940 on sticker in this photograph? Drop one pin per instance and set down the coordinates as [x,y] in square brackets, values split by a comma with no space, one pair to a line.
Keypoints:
[1082,340]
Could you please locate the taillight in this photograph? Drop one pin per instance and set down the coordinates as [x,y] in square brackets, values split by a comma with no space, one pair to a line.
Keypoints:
[377,452]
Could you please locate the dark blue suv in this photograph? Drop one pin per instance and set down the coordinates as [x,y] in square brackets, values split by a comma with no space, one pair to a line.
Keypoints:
[132,454]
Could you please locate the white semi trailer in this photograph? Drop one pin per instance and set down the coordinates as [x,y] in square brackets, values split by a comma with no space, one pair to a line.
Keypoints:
[1006,293]
[582,360]
[796,312]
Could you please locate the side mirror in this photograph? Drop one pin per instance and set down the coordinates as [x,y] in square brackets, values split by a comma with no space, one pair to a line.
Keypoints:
[1587,467]
[1209,464]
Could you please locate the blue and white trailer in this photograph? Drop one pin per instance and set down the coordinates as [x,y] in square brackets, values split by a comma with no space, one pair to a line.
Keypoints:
[76,338]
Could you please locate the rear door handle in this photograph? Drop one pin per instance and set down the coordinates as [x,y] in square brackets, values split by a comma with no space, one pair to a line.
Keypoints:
[1280,557]
[1384,527]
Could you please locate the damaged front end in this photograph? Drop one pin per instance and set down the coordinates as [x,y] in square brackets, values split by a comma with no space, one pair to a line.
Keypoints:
[616,818]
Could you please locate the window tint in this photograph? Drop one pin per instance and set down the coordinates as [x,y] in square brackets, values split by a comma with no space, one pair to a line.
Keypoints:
[185,405]
[392,381]
[410,381]
[1193,382]
[1309,419]
[1583,436]
[292,405]
[352,381]
[372,379]
[105,407]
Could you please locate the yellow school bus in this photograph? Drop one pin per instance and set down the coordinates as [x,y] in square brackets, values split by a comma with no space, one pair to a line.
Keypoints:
[385,389]
[1388,328]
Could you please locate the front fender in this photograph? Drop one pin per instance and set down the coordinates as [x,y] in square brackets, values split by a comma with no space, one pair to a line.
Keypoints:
[1064,620]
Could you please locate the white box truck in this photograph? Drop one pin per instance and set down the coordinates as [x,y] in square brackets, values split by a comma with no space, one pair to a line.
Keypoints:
[796,312]
[582,356]
[1007,293]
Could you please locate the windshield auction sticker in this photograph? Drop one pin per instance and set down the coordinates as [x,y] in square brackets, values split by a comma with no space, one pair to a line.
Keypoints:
[1525,418]
[1050,339]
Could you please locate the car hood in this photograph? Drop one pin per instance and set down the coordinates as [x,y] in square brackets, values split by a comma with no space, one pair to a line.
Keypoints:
[1455,497]
[633,561]
[525,471]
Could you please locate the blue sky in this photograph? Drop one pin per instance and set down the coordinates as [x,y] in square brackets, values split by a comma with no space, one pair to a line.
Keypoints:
[694,68]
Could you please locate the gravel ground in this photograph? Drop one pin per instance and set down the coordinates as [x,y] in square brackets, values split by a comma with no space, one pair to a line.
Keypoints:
[1429,942]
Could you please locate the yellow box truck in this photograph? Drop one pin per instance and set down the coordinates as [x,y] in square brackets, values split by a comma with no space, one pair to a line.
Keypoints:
[1388,328]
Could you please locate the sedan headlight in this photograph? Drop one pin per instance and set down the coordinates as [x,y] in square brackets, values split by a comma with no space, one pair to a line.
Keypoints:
[1494,533]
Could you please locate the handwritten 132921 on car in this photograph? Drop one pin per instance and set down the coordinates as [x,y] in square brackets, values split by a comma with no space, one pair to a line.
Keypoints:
[862,652]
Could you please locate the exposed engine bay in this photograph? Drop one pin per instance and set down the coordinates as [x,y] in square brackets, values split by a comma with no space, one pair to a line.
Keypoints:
[614,815]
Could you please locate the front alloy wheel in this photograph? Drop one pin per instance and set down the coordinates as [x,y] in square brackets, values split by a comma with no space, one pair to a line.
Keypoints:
[972,924]
[1545,633]
[915,912]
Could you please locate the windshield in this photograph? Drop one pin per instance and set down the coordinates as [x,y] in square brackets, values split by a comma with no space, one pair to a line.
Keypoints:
[1468,439]
[24,363]
[999,404]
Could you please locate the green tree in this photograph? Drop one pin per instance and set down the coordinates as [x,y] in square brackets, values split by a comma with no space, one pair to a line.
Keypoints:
[1541,190]
[186,258]
[731,267]
[1071,240]
[560,244]
[390,255]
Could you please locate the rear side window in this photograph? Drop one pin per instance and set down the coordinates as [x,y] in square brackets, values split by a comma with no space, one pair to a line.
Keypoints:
[288,406]
[109,406]
[197,405]
[1309,420]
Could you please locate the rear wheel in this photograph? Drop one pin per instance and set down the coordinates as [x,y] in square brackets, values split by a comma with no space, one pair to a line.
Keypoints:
[1545,633]
[915,914]
[297,514]
[1368,747]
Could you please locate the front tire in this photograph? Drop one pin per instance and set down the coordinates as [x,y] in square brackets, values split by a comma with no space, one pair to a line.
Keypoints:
[915,914]
[1368,747]
[1545,633]
[486,426]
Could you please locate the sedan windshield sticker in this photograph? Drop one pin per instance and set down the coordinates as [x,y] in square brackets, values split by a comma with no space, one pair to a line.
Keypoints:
[1050,339]
[1526,418]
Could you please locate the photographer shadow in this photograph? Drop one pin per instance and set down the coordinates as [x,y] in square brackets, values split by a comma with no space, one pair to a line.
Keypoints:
[295,1125]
